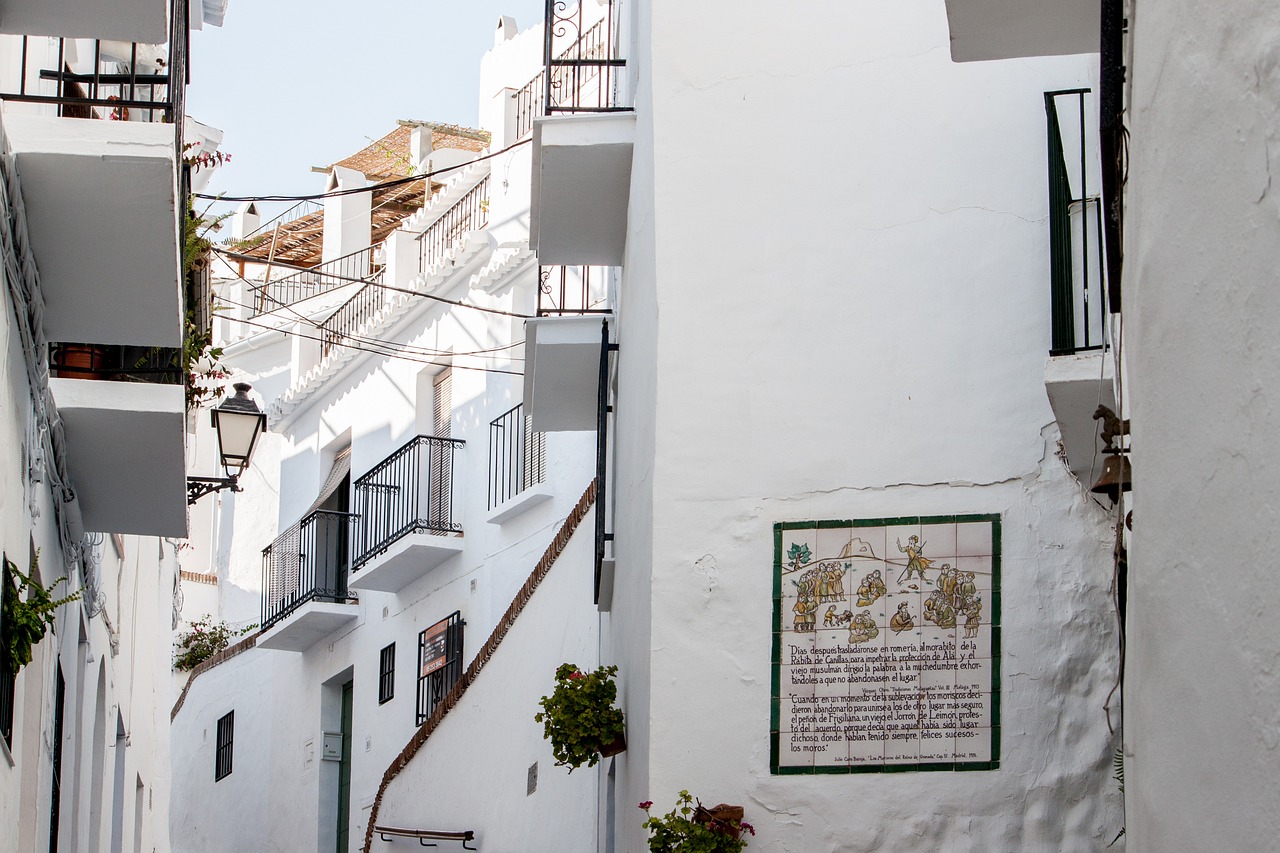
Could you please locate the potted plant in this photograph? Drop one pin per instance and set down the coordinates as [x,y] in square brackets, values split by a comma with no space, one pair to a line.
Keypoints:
[203,640]
[23,623]
[692,828]
[579,717]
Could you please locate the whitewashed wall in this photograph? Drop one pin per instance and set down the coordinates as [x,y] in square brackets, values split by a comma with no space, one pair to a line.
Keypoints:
[1201,251]
[472,772]
[836,306]
[125,646]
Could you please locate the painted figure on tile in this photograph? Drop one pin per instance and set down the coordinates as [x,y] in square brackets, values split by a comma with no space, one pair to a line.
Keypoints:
[916,560]
[968,589]
[939,610]
[973,617]
[806,617]
[829,618]
[863,629]
[902,620]
[947,581]
[871,588]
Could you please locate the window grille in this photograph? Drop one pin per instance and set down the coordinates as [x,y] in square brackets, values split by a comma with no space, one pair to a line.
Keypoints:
[387,675]
[439,663]
[222,759]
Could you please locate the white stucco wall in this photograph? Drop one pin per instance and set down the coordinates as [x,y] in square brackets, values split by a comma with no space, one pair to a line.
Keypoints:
[472,772]
[849,319]
[1201,250]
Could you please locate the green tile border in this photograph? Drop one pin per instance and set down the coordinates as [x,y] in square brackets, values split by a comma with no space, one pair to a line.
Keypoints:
[779,528]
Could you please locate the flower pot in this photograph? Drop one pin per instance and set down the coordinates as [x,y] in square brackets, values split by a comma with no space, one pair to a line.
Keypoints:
[613,747]
[79,361]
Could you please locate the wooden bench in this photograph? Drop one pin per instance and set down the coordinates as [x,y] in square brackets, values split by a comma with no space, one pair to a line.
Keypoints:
[426,837]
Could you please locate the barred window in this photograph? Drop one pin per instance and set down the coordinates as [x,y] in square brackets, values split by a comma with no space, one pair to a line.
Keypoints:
[387,674]
[222,759]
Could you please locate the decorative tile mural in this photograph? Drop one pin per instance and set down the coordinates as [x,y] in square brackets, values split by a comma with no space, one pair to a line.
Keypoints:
[886,645]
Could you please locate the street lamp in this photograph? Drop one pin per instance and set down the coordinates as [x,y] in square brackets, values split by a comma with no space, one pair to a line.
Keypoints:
[239,422]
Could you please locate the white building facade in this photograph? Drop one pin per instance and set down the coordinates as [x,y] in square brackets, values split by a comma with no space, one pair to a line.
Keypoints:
[820,254]
[95,422]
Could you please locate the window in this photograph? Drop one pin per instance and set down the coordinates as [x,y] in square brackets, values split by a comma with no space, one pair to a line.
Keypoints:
[222,761]
[387,674]
[439,663]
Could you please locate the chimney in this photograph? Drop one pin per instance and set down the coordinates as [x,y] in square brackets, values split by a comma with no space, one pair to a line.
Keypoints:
[348,219]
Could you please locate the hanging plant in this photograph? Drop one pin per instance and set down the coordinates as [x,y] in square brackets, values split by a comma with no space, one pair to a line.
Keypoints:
[692,828]
[23,623]
[203,640]
[579,717]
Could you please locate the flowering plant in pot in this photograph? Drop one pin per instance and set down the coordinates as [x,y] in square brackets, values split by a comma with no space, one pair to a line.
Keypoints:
[690,827]
[579,717]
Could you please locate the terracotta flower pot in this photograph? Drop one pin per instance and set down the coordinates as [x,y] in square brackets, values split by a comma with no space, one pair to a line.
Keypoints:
[614,747]
[80,361]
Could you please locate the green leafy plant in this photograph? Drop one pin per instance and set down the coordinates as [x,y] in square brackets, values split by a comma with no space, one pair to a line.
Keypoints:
[204,639]
[579,717]
[24,621]
[692,828]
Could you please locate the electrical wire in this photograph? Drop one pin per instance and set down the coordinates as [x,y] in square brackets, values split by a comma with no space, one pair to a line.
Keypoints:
[396,182]
[261,288]
[426,352]
[390,352]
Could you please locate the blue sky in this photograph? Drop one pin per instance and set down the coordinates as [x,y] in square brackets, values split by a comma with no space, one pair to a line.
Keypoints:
[295,84]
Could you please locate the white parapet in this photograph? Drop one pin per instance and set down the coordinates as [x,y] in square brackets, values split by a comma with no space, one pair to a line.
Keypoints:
[102,213]
[581,187]
[126,452]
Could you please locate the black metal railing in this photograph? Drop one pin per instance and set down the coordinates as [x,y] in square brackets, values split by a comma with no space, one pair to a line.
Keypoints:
[1077,273]
[439,663]
[411,491]
[517,456]
[352,268]
[157,365]
[341,326]
[307,562]
[7,683]
[573,290]
[469,213]
[582,71]
[110,80]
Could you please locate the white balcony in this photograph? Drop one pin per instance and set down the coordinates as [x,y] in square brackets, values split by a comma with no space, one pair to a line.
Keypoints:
[126,453]
[1076,385]
[581,188]
[310,623]
[405,561]
[1003,29]
[102,213]
[145,21]
[562,372]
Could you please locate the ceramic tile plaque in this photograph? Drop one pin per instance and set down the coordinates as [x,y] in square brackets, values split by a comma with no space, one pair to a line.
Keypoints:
[886,645]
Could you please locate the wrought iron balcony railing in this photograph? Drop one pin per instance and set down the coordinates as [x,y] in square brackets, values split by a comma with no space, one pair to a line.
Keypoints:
[94,78]
[580,69]
[341,326]
[517,456]
[355,267]
[1077,284]
[469,213]
[308,562]
[411,491]
[573,290]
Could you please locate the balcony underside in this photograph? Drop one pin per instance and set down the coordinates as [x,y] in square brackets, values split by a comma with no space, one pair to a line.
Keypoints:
[308,625]
[126,453]
[1076,385]
[101,205]
[581,188]
[562,373]
[145,21]
[405,561]
[1003,29]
